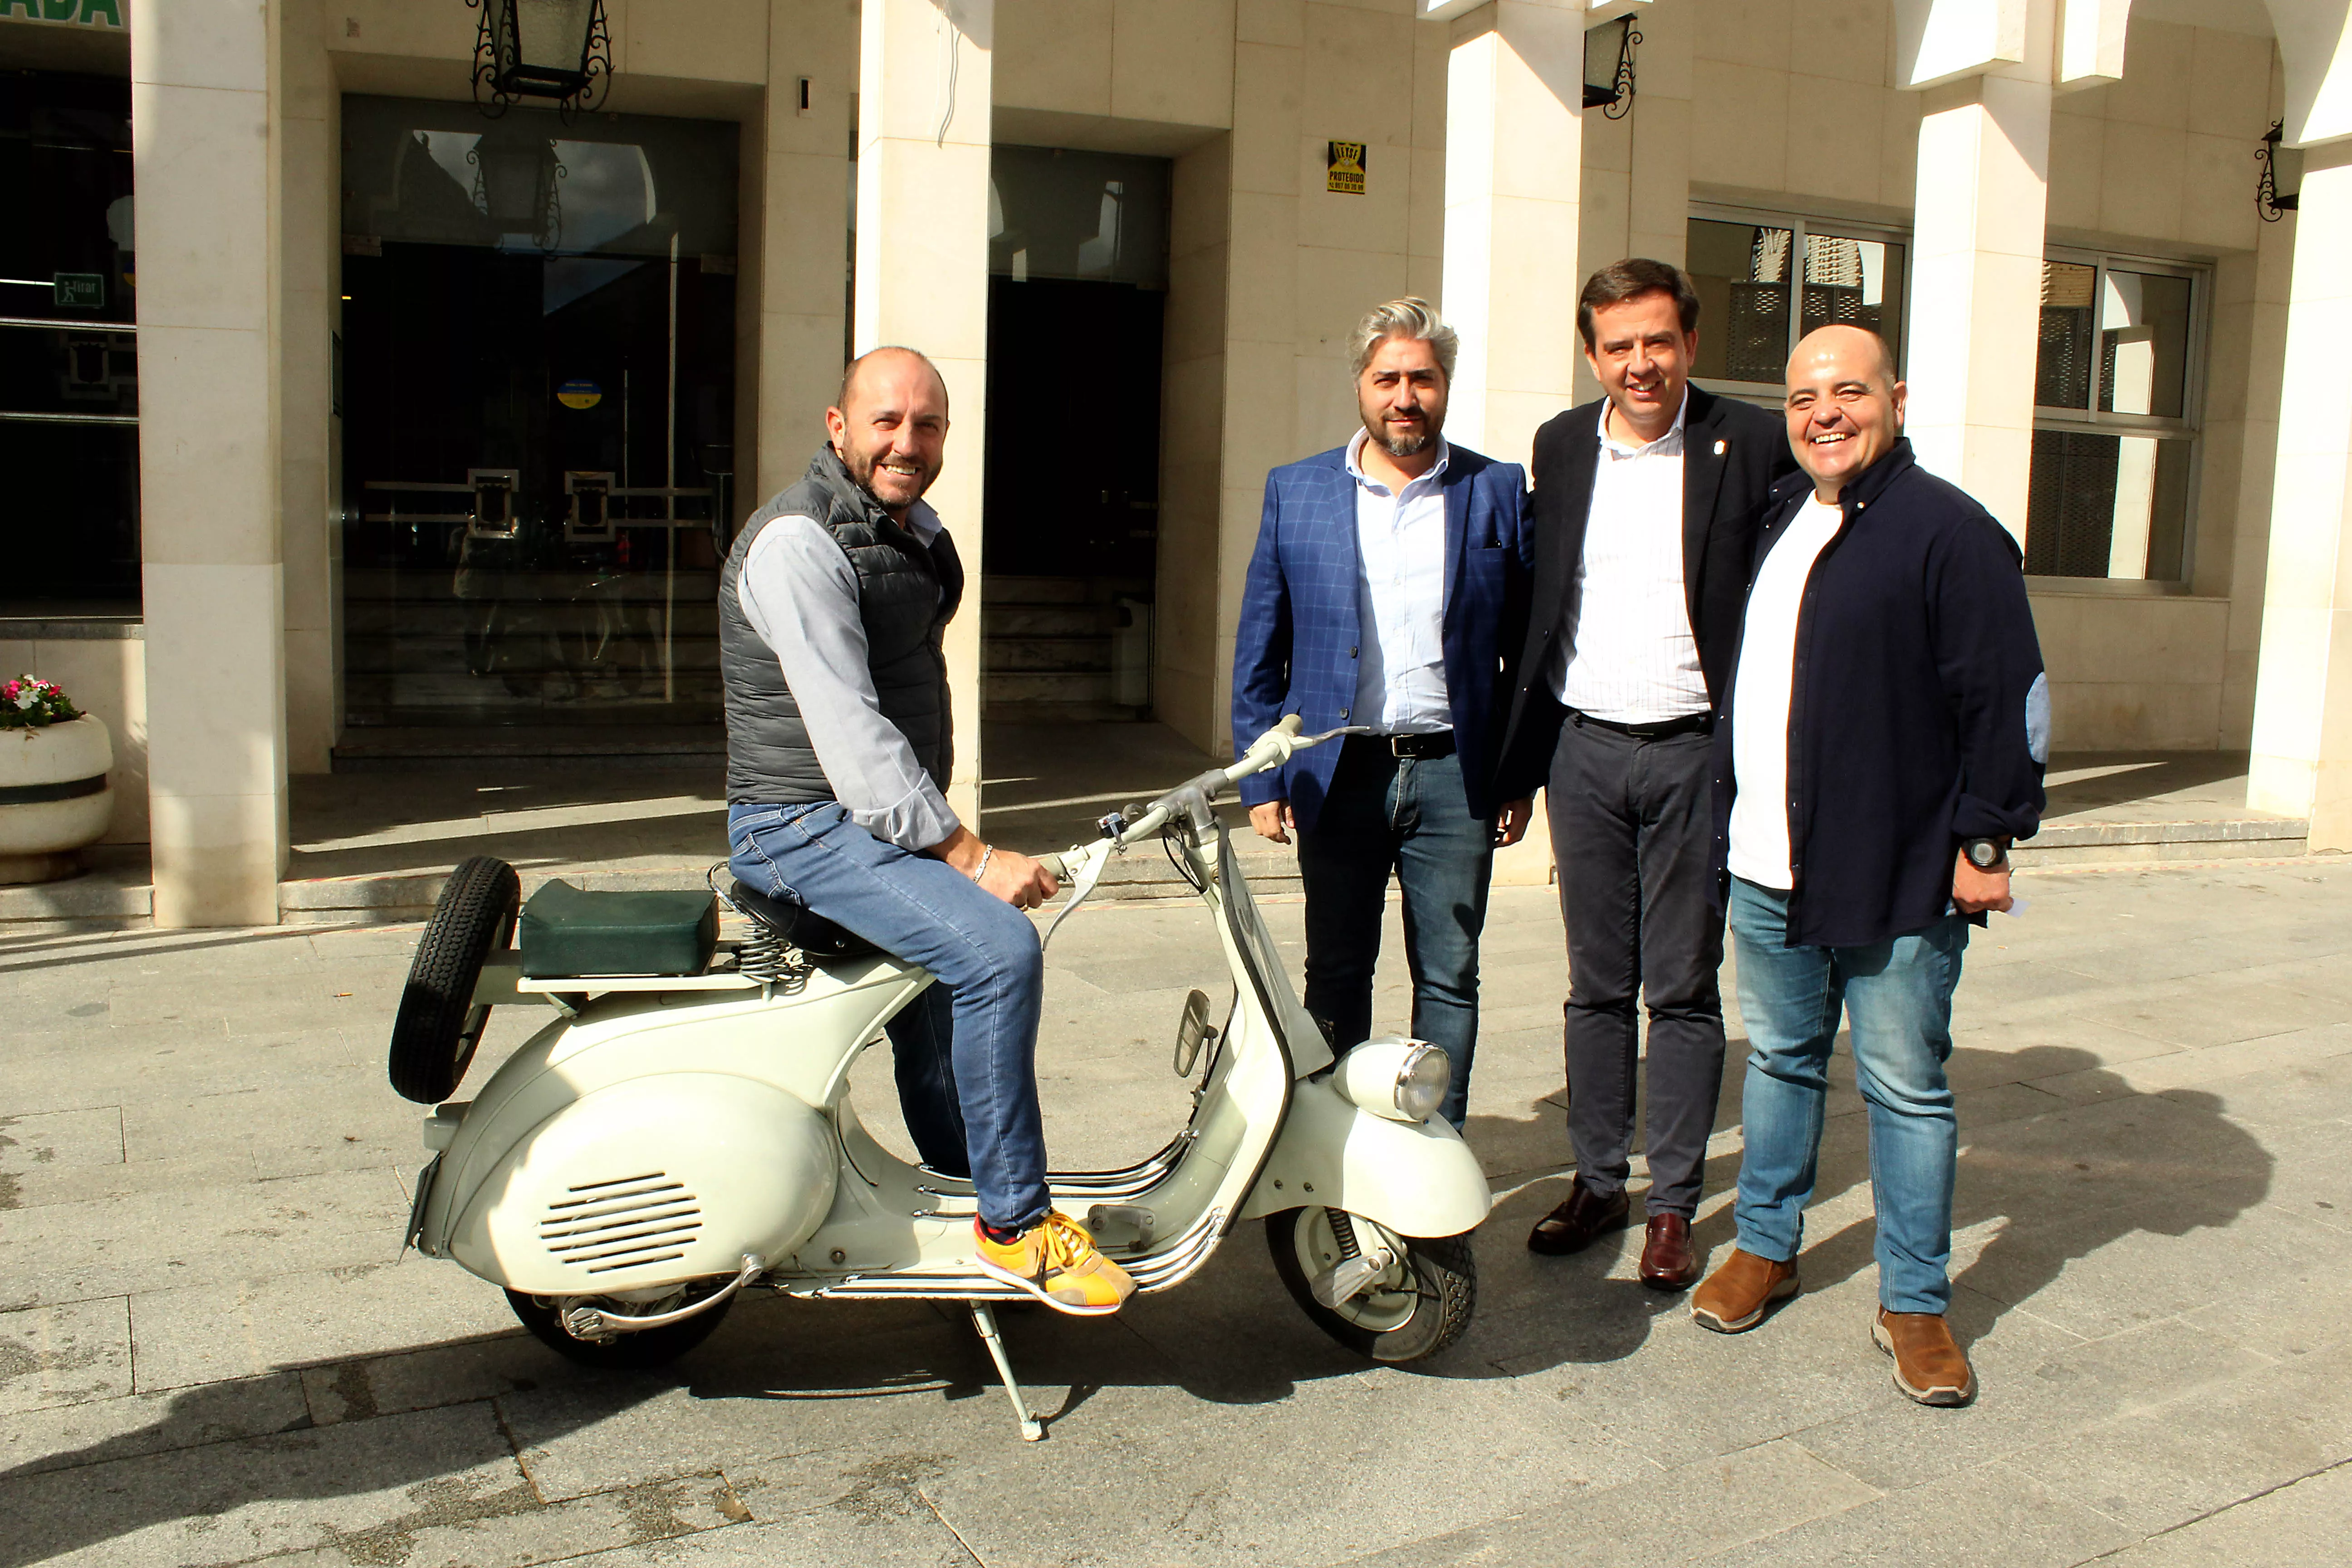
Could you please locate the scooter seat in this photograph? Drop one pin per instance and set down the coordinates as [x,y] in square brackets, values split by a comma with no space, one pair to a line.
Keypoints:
[800,925]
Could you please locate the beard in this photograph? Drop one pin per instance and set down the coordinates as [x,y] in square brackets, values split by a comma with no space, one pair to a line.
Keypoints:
[861,466]
[1406,446]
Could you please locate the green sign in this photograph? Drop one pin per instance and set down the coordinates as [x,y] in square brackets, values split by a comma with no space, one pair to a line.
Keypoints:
[81,290]
[89,13]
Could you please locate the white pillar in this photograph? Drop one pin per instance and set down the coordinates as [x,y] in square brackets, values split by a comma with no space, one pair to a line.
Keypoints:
[801,245]
[2302,764]
[208,471]
[922,269]
[1513,141]
[1976,289]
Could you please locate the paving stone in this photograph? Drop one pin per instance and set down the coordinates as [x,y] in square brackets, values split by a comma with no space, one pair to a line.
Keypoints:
[227,1502]
[2296,1526]
[1991,1513]
[62,1140]
[69,1436]
[887,1526]
[1681,1514]
[2158,1468]
[64,1355]
[202,1333]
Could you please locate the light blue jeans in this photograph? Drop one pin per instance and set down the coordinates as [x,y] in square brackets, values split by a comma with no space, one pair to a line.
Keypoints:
[966,1049]
[1898,996]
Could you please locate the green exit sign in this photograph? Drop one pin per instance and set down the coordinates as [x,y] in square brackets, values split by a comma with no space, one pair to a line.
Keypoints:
[81,290]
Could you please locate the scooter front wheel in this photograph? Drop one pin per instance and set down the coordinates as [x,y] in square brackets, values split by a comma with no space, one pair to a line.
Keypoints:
[636,1351]
[1416,1306]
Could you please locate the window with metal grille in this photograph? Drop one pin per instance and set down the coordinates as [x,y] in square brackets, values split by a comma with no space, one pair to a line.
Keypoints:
[1767,278]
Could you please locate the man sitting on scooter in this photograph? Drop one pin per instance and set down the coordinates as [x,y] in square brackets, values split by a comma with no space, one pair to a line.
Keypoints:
[831,611]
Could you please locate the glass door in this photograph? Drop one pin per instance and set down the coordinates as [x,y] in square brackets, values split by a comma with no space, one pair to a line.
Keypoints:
[538,397]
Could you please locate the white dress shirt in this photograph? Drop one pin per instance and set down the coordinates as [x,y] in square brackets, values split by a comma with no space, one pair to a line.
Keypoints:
[1401,600]
[1627,654]
[800,594]
[1762,692]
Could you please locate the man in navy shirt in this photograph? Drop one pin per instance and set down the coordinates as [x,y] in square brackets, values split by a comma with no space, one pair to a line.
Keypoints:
[1885,732]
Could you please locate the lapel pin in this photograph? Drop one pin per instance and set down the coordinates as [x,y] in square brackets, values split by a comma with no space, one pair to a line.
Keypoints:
[1719,448]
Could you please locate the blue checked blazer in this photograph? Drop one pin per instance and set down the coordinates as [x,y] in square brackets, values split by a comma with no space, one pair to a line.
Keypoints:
[1296,649]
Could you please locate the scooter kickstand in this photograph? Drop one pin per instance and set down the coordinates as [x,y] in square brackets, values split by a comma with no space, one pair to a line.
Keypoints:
[1031,1429]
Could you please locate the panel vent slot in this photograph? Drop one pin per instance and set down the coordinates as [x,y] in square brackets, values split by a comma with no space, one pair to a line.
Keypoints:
[622,1222]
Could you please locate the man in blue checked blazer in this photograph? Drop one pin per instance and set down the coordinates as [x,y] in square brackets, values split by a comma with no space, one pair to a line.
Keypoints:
[1387,590]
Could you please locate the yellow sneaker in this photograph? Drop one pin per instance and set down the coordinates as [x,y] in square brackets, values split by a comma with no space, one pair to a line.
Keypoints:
[1055,1261]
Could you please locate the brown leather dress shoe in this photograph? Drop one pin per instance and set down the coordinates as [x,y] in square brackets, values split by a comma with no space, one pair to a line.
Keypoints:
[1577,1223]
[1929,1364]
[1667,1261]
[1737,1296]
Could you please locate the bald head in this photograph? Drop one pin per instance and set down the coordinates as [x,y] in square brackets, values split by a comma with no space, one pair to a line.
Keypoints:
[889,356]
[1849,345]
[1844,406]
[890,427]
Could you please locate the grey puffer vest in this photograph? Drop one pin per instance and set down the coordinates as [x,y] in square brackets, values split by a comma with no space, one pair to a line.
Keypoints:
[906,595]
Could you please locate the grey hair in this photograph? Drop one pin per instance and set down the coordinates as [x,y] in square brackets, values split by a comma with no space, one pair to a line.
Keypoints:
[1407,318]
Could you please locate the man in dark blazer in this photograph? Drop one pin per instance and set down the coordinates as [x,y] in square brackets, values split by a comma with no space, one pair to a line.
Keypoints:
[1388,586]
[1645,508]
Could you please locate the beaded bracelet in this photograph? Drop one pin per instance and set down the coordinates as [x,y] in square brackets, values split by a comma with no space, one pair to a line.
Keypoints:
[987,853]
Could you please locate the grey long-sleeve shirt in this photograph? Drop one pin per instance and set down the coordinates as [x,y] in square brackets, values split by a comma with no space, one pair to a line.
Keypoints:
[800,594]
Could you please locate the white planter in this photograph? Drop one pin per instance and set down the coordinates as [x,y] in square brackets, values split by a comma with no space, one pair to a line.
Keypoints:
[54,797]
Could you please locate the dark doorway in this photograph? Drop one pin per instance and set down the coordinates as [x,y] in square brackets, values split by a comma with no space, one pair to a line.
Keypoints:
[1078,265]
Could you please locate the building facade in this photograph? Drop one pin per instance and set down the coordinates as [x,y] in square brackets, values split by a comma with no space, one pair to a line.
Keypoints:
[389,424]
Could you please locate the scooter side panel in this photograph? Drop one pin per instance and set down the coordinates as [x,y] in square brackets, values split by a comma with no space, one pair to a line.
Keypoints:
[1418,1178]
[797,1042]
[649,1183]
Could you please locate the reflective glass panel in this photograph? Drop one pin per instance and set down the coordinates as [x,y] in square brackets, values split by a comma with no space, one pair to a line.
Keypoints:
[70,373]
[2062,369]
[539,330]
[1742,274]
[1858,282]
[1099,217]
[2144,344]
[2108,505]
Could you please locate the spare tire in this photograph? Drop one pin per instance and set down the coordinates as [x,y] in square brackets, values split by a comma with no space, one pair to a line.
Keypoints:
[434,1036]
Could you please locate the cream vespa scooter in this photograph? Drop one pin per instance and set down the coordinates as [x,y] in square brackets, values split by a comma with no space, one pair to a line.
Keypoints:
[682,1131]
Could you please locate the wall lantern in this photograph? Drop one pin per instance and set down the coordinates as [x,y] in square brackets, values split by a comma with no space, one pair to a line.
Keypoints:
[517,184]
[559,50]
[2267,200]
[1609,67]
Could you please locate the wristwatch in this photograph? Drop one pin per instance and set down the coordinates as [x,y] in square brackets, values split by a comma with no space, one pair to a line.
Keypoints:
[1986,854]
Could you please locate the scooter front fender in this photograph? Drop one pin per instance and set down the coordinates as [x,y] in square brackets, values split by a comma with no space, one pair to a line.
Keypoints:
[1418,1178]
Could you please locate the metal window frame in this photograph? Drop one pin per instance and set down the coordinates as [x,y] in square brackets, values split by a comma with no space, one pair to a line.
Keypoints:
[2189,427]
[1769,394]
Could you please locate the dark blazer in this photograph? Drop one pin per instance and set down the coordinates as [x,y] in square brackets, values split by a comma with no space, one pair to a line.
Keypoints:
[1918,715]
[1297,643]
[1732,455]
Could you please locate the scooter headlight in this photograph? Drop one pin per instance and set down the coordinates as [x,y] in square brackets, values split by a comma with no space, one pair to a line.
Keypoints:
[1404,1080]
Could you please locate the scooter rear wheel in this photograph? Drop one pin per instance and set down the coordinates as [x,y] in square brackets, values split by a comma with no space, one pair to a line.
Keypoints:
[438,1025]
[639,1352]
[1419,1307]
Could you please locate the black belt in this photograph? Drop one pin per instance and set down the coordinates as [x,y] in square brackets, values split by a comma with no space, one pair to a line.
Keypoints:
[1689,724]
[1418,748]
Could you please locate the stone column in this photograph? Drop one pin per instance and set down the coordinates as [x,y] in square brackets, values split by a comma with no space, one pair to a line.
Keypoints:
[801,247]
[309,244]
[922,269]
[1514,140]
[2302,764]
[209,481]
[1975,286]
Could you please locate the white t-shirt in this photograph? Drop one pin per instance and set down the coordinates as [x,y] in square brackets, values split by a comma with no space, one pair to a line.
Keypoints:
[1759,700]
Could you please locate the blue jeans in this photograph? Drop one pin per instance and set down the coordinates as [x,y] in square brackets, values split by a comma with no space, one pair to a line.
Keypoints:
[1898,995]
[965,1048]
[1383,814]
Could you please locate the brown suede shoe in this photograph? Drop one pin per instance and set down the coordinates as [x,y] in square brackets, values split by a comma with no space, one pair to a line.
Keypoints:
[1929,1364]
[1737,1296]
[1667,1261]
[1577,1223]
